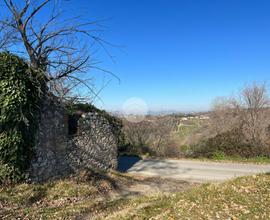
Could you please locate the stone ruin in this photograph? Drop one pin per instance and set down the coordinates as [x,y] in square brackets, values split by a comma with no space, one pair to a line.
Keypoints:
[58,154]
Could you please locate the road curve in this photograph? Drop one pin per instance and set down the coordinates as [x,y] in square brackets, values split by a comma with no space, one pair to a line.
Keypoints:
[198,171]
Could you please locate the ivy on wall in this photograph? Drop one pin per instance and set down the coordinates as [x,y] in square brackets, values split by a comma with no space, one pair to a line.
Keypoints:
[20,94]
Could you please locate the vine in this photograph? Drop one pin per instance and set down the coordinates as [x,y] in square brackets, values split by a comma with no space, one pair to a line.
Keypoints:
[20,95]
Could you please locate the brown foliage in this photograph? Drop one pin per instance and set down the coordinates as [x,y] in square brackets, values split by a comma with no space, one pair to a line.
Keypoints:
[152,136]
[239,125]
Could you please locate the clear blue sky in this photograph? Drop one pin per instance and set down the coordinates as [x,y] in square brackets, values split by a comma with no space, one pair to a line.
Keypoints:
[180,54]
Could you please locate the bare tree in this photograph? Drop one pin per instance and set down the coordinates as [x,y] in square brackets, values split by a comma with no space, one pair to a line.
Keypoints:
[248,112]
[5,36]
[57,47]
[223,117]
[255,103]
[153,135]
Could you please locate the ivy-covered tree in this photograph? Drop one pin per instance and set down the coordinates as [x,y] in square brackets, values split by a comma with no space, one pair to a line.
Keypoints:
[20,92]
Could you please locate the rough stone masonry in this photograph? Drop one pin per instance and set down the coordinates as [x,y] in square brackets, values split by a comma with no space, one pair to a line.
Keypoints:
[58,154]
[94,146]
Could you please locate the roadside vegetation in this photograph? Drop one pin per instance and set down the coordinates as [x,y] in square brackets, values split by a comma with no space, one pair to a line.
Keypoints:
[236,129]
[230,159]
[242,198]
[88,195]
[152,136]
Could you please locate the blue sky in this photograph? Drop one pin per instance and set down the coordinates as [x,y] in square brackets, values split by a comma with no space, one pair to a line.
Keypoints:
[180,54]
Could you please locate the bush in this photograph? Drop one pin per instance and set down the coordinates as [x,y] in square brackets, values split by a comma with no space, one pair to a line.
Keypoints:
[19,100]
[231,143]
[219,155]
[9,174]
[152,137]
[186,149]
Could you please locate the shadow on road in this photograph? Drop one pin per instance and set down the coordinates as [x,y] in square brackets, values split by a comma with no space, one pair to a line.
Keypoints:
[126,162]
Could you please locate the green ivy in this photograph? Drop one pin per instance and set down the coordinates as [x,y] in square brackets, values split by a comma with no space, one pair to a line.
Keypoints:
[20,93]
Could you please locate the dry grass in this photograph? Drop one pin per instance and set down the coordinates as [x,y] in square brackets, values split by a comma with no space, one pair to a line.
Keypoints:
[242,198]
[87,196]
[78,197]
[62,199]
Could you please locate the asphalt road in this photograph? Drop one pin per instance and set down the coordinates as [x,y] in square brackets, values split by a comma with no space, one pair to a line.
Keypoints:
[198,171]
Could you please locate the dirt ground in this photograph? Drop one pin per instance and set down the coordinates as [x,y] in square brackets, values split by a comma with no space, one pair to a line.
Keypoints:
[141,186]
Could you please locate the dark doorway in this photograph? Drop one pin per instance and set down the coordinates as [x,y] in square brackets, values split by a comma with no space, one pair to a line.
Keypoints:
[73,123]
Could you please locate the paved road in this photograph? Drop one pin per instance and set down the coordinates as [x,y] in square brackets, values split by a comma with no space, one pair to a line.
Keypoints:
[200,171]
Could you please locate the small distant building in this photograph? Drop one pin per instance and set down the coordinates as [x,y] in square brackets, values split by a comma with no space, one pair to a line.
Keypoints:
[204,117]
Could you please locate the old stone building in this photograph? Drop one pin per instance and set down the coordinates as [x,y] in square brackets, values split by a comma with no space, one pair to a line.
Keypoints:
[93,145]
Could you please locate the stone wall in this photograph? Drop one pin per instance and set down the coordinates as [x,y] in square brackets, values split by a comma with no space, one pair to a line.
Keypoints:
[50,160]
[94,146]
[58,154]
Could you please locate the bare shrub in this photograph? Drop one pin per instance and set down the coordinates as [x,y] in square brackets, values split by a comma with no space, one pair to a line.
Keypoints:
[255,113]
[224,115]
[152,136]
[239,125]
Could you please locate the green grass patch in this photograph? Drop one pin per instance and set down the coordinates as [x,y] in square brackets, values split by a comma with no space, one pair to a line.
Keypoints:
[186,128]
[219,156]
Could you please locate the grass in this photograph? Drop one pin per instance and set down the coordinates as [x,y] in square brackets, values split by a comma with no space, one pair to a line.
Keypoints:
[258,159]
[242,198]
[46,201]
[186,128]
[62,199]
[254,160]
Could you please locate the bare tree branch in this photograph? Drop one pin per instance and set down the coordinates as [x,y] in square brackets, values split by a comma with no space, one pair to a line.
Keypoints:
[56,47]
